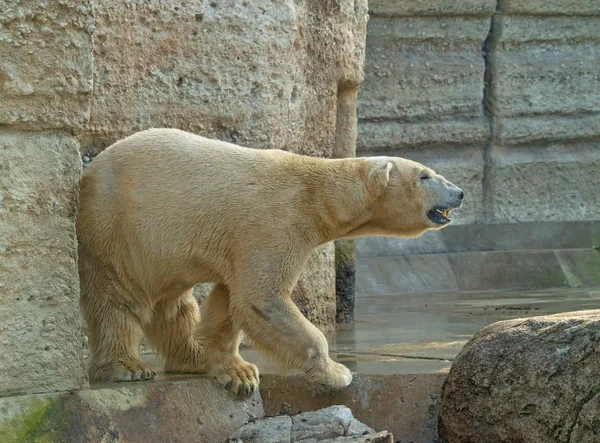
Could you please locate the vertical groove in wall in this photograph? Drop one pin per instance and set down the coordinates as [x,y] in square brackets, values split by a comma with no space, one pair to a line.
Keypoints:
[489,96]
[345,255]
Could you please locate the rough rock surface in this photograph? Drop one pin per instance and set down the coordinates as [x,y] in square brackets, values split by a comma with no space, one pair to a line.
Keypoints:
[269,430]
[332,424]
[45,91]
[526,380]
[40,325]
[544,105]
[187,410]
[262,74]
[46,59]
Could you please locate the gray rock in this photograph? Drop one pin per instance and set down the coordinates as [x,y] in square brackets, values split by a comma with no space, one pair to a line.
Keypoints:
[325,423]
[332,424]
[270,430]
[356,428]
[379,437]
[526,380]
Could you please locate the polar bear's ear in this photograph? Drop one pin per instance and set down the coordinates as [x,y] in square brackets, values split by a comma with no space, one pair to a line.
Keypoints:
[379,177]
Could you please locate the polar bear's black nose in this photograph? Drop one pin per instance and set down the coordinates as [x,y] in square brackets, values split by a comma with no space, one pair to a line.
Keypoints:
[461,195]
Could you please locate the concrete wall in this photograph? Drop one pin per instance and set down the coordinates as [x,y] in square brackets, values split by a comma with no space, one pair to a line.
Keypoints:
[45,92]
[77,75]
[502,97]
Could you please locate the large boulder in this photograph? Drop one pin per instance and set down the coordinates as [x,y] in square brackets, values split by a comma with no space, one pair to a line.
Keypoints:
[526,380]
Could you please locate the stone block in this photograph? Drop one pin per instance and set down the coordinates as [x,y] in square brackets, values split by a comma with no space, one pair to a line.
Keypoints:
[550,7]
[548,183]
[476,271]
[545,66]
[382,135]
[263,74]
[185,410]
[484,237]
[547,129]
[41,337]
[423,68]
[424,75]
[46,63]
[404,273]
[403,8]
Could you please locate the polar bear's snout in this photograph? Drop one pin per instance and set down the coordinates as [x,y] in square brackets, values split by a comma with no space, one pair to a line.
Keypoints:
[445,198]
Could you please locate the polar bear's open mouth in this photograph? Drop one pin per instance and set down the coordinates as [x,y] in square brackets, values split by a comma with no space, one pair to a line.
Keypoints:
[440,216]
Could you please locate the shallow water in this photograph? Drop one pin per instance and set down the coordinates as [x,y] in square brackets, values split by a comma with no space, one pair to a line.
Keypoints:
[422,333]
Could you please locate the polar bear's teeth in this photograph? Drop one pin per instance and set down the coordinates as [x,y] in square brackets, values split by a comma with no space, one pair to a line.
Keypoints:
[445,213]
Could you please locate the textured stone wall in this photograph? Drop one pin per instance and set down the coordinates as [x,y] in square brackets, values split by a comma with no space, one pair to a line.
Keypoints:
[45,90]
[502,97]
[544,104]
[262,74]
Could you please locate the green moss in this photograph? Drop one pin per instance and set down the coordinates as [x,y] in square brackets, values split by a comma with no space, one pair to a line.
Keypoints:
[32,420]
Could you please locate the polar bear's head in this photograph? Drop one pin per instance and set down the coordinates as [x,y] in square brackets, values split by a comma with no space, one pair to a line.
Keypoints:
[409,198]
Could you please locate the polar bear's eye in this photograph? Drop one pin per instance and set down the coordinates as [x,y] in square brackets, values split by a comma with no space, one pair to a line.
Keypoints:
[425,177]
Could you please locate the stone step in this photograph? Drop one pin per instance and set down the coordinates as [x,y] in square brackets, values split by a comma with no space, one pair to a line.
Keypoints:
[196,408]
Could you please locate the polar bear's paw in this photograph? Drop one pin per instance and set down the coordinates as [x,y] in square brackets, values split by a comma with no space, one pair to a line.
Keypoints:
[123,371]
[236,375]
[335,376]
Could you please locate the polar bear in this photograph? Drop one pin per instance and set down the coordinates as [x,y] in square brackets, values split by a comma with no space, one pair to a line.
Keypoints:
[163,210]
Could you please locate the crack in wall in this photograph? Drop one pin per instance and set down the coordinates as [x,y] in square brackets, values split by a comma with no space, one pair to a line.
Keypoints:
[489,95]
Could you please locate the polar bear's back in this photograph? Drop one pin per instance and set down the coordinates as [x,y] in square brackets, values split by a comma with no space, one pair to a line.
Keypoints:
[168,194]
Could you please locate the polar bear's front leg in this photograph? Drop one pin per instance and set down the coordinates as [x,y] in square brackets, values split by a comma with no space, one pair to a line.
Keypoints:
[276,326]
[204,343]
[221,339]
